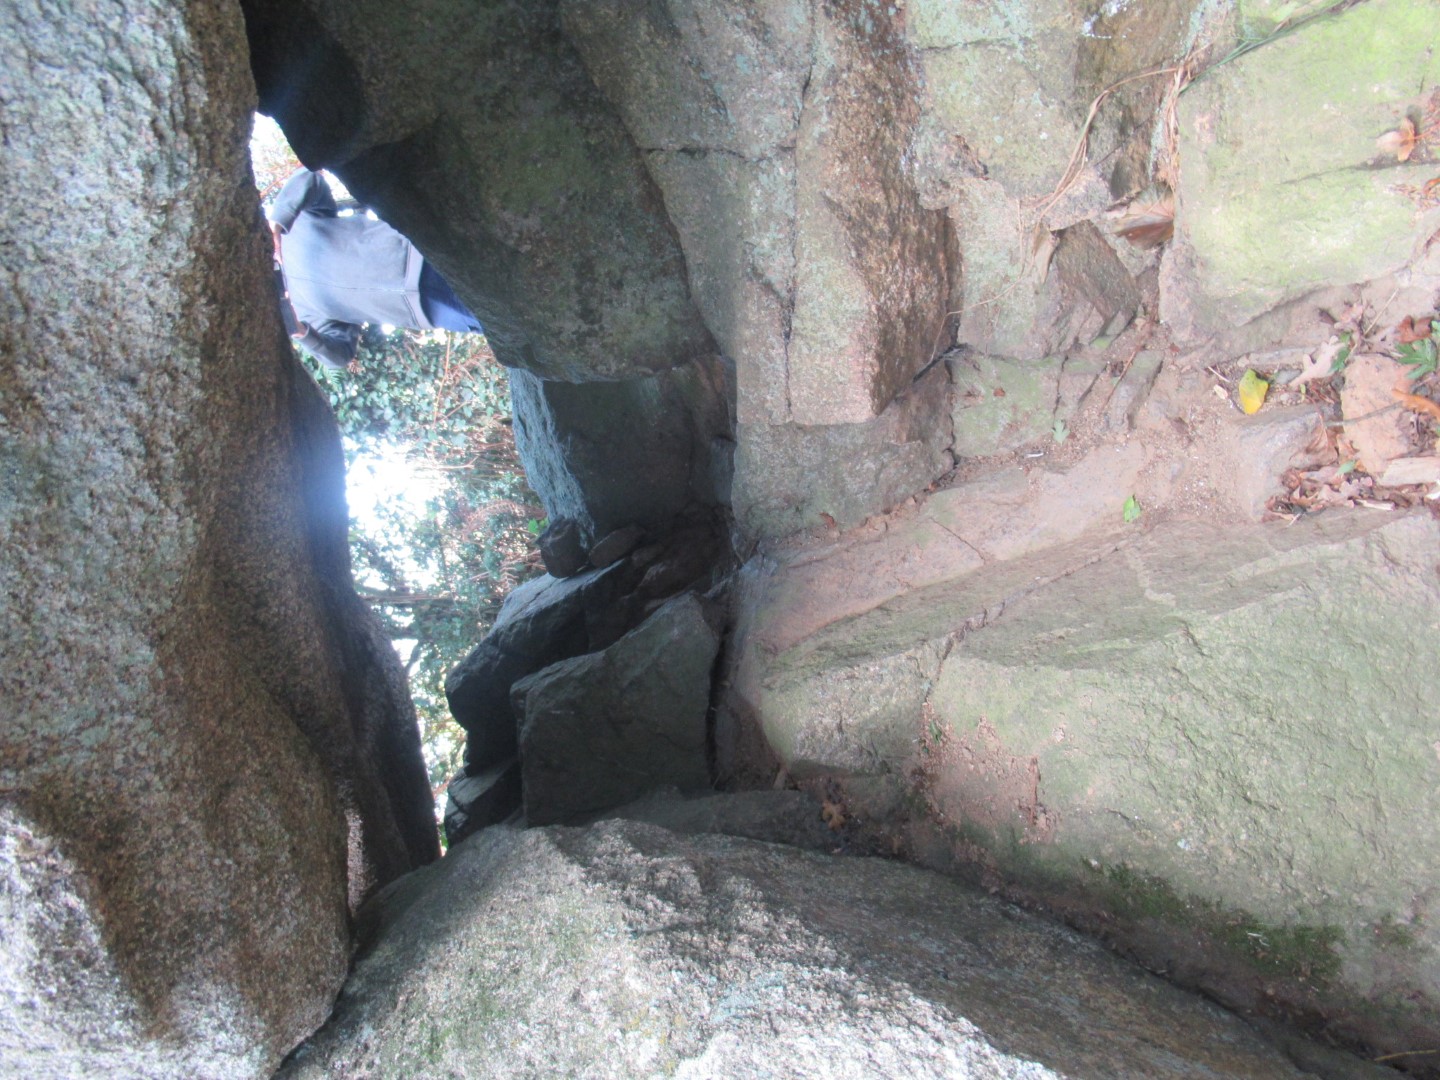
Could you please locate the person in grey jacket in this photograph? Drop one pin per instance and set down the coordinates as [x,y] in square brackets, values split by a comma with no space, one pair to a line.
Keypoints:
[338,273]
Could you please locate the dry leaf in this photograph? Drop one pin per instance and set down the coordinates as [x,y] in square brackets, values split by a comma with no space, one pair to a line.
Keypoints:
[1399,143]
[1318,364]
[1412,330]
[1147,225]
[1416,403]
[1350,320]
[834,815]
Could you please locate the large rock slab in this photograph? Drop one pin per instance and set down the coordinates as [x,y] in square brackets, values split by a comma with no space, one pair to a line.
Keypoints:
[778,132]
[1001,114]
[599,730]
[713,956]
[1284,187]
[1194,733]
[208,755]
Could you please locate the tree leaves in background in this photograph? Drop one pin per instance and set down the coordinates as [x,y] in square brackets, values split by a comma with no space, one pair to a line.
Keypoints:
[437,579]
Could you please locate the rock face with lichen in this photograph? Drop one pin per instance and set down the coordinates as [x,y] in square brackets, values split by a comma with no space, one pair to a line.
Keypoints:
[1258,223]
[1187,728]
[208,757]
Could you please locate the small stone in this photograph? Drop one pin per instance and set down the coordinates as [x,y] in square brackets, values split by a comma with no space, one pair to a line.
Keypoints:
[1412,470]
[1262,447]
[562,548]
[1130,392]
[616,545]
[487,798]
[987,423]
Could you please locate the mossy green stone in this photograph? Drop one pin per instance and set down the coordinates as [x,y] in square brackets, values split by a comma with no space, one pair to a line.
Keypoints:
[1283,188]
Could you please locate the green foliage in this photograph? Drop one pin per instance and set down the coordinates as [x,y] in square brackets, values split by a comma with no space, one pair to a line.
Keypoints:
[436,578]
[271,159]
[1131,510]
[1421,355]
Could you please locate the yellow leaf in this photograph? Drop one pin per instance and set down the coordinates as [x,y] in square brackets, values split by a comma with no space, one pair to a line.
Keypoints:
[1251,392]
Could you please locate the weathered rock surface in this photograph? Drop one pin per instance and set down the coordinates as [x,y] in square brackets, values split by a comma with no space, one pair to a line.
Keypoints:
[478,798]
[640,452]
[624,950]
[614,546]
[778,134]
[778,817]
[548,619]
[1198,730]
[830,291]
[208,754]
[789,478]
[1001,404]
[599,730]
[542,621]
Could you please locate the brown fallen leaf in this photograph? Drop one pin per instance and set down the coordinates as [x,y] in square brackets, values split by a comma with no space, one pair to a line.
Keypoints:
[1401,142]
[1412,330]
[1416,403]
[1318,364]
[834,815]
[1147,225]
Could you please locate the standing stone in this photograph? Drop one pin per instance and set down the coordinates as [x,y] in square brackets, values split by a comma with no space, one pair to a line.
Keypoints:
[208,757]
[602,729]
[562,548]
[542,621]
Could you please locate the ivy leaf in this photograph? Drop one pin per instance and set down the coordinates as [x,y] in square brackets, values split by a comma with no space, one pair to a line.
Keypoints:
[1132,509]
